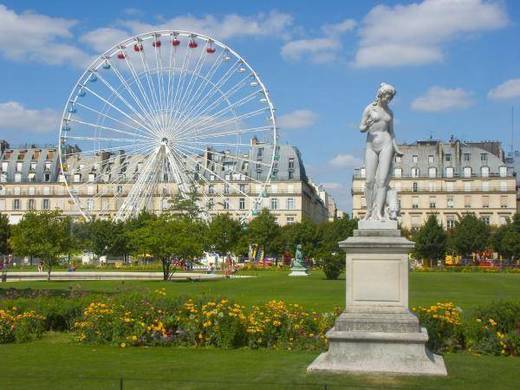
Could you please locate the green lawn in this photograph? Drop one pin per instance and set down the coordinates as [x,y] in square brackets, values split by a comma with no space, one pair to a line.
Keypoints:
[464,289]
[56,362]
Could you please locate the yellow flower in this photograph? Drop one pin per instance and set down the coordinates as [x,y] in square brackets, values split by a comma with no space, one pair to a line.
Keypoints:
[123,345]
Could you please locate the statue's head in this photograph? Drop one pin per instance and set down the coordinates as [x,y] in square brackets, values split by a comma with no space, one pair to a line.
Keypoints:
[299,246]
[385,93]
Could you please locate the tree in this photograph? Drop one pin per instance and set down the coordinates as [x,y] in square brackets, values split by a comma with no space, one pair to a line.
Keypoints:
[167,237]
[224,234]
[431,240]
[5,232]
[332,233]
[262,231]
[470,235]
[186,204]
[305,233]
[46,235]
[506,239]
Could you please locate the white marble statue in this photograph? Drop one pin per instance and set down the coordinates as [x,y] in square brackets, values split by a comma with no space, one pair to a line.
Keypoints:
[378,123]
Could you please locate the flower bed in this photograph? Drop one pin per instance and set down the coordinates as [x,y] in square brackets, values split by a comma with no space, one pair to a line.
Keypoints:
[20,327]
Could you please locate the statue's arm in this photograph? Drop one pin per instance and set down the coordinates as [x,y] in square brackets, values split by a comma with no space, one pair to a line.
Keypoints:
[366,121]
[392,134]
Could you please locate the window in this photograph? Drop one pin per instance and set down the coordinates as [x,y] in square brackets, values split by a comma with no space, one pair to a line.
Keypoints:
[503,171]
[430,159]
[274,203]
[467,171]
[30,204]
[48,166]
[433,202]
[46,177]
[31,191]
[17,177]
[119,189]
[415,202]
[16,204]
[414,159]
[485,219]
[46,204]
[290,203]
[91,190]
[431,186]
[226,204]
[450,222]
[503,202]
[449,172]
[290,188]
[31,177]
[274,188]
[226,188]
[242,188]
[363,202]
[5,165]
[483,157]
[415,186]
[398,172]
[484,171]
[19,166]
[91,177]
[291,162]
[290,220]
[485,186]
[447,157]
[291,175]
[242,203]
[362,172]
[211,189]
[450,202]
[467,201]
[397,159]
[415,172]
[503,186]
[210,204]
[467,186]
[432,172]
[3,177]
[46,190]
[90,204]
[260,153]
[17,190]
[485,202]
[467,157]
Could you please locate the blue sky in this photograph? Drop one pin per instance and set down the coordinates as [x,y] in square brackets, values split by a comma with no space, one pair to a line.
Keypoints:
[455,64]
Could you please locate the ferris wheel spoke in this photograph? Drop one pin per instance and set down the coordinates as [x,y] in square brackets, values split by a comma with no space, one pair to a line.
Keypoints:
[149,81]
[148,112]
[159,64]
[223,98]
[151,131]
[115,108]
[197,69]
[179,89]
[196,96]
[237,132]
[216,87]
[130,146]
[93,110]
[96,126]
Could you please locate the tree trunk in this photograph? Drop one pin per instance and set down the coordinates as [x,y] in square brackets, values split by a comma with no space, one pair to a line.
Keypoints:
[49,270]
[166,269]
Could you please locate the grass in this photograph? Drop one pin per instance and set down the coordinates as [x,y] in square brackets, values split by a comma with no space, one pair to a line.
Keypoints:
[57,362]
[464,289]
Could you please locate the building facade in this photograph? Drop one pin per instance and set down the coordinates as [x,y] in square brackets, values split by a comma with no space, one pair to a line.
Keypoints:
[30,179]
[448,179]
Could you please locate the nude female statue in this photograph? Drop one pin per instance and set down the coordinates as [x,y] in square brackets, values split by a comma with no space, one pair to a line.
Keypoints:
[378,123]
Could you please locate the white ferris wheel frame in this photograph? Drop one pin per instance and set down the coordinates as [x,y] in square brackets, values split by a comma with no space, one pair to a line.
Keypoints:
[109,54]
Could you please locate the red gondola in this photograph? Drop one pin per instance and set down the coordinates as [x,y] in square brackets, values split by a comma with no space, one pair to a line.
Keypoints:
[193,44]
[210,50]
[138,47]
[175,42]
[121,55]
[156,43]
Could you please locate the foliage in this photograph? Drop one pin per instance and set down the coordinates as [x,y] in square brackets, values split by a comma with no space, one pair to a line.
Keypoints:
[470,235]
[20,327]
[506,240]
[305,233]
[262,231]
[332,265]
[224,234]
[5,232]
[46,235]
[444,324]
[186,204]
[332,233]
[167,237]
[430,240]
[210,322]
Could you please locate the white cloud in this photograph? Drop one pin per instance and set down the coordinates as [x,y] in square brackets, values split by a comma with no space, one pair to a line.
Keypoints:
[333,186]
[319,50]
[224,27]
[414,34]
[345,161]
[104,38]
[442,99]
[507,90]
[339,28]
[14,116]
[297,119]
[32,37]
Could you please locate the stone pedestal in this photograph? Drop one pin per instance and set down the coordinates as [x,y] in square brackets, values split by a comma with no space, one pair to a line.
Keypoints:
[377,333]
[299,271]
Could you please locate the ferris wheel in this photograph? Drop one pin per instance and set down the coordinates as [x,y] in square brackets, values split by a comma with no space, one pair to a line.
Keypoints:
[167,112]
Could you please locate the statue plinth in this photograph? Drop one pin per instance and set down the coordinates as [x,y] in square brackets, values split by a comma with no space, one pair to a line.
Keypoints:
[299,271]
[377,333]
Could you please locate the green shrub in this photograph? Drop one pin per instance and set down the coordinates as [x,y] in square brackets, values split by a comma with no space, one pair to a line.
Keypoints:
[20,326]
[332,265]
